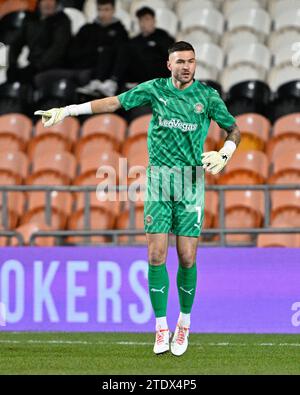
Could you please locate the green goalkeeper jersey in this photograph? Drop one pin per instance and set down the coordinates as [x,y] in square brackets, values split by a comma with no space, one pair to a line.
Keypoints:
[180,119]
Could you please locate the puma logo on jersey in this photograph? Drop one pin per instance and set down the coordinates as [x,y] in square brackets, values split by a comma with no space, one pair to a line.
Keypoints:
[158,290]
[187,292]
[163,100]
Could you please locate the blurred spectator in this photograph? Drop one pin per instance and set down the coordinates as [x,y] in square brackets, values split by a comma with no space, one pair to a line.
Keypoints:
[142,59]
[46,33]
[147,53]
[97,46]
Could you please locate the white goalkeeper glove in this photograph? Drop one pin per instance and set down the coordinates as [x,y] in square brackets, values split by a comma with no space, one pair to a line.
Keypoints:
[215,161]
[56,115]
[52,116]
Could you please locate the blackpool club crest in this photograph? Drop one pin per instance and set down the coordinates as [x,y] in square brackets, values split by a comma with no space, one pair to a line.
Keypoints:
[149,219]
[198,108]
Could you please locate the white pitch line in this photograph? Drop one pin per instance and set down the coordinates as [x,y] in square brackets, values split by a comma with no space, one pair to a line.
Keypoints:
[132,343]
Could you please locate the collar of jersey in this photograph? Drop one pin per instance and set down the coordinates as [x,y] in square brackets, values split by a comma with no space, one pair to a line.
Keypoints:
[180,91]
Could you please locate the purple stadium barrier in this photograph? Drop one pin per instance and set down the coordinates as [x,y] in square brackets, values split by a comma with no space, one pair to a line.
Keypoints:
[240,290]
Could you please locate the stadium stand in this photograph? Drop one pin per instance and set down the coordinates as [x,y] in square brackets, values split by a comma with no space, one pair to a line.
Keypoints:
[245,50]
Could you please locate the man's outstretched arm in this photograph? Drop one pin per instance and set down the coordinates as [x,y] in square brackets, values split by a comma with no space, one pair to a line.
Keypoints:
[108,104]
[99,106]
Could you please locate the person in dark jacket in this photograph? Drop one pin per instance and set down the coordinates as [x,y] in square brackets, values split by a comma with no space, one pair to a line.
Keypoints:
[145,57]
[46,33]
[97,45]
[141,59]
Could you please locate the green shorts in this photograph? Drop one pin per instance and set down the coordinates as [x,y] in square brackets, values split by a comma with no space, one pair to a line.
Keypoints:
[174,201]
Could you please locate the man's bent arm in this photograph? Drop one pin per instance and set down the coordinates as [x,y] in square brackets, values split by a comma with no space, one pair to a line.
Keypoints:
[214,161]
[233,134]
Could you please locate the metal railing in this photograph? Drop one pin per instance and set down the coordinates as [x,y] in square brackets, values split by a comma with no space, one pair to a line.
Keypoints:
[114,234]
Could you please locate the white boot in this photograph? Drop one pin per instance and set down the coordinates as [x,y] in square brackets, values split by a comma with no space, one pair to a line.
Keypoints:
[180,339]
[162,341]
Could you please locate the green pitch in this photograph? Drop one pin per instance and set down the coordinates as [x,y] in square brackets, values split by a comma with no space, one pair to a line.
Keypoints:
[123,353]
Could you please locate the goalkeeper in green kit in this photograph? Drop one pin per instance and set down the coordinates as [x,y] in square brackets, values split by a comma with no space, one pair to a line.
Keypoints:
[182,111]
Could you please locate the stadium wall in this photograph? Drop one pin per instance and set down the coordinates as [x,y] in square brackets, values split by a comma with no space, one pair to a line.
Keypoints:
[240,290]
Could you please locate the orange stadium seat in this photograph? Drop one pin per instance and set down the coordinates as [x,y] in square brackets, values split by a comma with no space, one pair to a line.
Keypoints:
[211,179]
[109,200]
[281,239]
[135,145]
[15,202]
[123,222]
[109,161]
[255,129]
[136,191]
[53,162]
[100,219]
[209,145]
[245,167]
[210,208]
[68,129]
[286,167]
[46,179]
[243,209]
[15,208]
[47,142]
[214,137]
[287,124]
[285,178]
[286,134]
[282,143]
[15,131]
[14,164]
[7,178]
[27,230]
[60,200]
[9,6]
[139,126]
[111,125]
[58,137]
[285,199]
[12,218]
[138,159]
[97,200]
[286,218]
[285,203]
[4,240]
[250,200]
[89,178]
[94,145]
[290,240]
[9,143]
[61,205]
[38,215]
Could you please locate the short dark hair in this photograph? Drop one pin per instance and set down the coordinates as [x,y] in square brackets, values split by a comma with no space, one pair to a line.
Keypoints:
[180,46]
[104,2]
[145,11]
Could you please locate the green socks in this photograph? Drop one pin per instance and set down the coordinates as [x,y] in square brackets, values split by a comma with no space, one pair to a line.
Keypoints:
[158,281]
[186,285]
